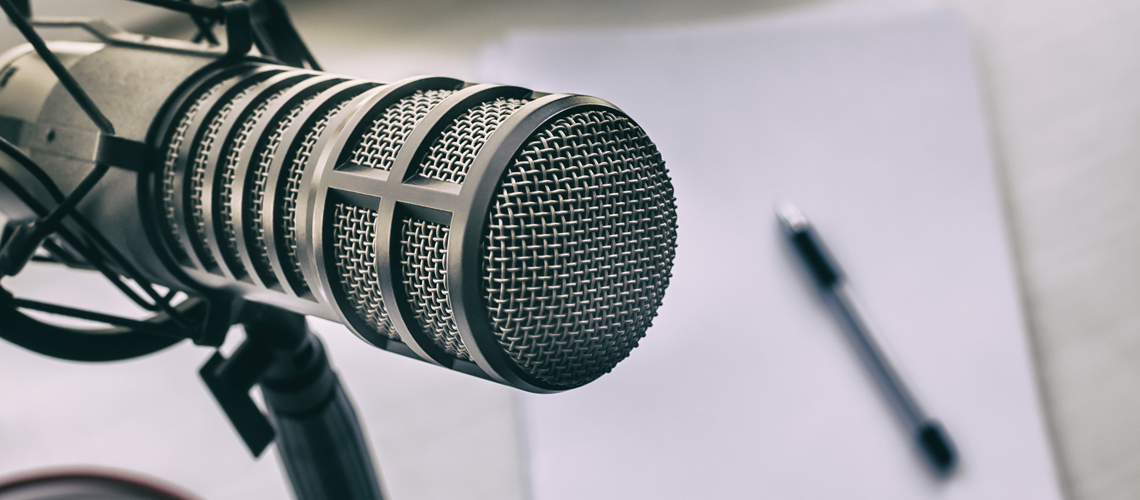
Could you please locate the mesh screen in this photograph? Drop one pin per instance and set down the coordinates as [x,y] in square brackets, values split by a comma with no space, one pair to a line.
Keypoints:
[229,176]
[201,156]
[378,146]
[579,247]
[177,137]
[260,177]
[423,262]
[354,237]
[291,189]
[450,155]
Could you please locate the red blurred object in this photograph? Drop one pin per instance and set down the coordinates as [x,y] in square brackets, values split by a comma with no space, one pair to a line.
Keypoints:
[87,483]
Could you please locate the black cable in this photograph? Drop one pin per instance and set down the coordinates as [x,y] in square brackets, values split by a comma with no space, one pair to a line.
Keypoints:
[50,186]
[129,269]
[113,344]
[205,31]
[45,180]
[67,204]
[49,224]
[40,210]
[61,73]
[62,256]
[92,257]
[205,28]
[136,325]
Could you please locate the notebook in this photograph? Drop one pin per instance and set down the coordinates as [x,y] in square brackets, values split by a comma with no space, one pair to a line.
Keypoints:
[872,120]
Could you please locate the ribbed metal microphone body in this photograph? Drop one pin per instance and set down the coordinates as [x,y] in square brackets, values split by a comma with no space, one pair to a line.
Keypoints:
[517,235]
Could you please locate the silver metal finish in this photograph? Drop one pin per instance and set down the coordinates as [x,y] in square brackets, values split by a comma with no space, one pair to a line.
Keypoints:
[169,172]
[377,148]
[578,248]
[284,216]
[201,152]
[259,190]
[509,234]
[450,155]
[354,234]
[423,262]
[223,168]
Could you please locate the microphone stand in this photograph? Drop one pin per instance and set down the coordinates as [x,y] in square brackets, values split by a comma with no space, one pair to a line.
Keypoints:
[318,436]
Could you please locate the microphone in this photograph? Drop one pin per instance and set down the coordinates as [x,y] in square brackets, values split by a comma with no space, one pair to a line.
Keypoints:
[515,235]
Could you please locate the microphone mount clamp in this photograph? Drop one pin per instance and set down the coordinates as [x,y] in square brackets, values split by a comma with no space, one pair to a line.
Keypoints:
[26,237]
[310,416]
[270,28]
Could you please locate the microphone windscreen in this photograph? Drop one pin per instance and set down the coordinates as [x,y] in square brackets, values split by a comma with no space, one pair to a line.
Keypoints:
[579,247]
[522,236]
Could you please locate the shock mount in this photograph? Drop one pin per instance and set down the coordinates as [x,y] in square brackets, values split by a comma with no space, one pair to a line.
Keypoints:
[310,416]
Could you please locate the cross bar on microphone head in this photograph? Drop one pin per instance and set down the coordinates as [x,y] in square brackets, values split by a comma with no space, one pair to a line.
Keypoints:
[514,235]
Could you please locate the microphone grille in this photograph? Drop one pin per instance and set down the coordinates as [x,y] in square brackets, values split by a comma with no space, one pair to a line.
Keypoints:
[565,244]
[378,147]
[226,194]
[423,262]
[354,237]
[579,247]
[201,150]
[169,173]
[450,155]
[298,157]
[263,159]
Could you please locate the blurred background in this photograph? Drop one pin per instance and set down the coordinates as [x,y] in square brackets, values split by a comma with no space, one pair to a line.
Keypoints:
[1059,81]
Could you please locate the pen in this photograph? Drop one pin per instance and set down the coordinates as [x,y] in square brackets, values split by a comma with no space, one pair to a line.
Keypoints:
[931,439]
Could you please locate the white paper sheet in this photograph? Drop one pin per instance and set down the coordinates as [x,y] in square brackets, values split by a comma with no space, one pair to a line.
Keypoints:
[871,119]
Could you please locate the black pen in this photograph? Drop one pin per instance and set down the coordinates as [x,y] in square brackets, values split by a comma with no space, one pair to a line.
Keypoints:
[928,434]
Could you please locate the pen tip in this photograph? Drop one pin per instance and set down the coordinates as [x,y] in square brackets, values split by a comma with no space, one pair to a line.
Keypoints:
[936,445]
[790,216]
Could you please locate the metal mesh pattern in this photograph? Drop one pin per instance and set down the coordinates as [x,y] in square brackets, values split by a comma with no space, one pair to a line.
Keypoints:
[450,155]
[260,177]
[201,157]
[378,147]
[579,247]
[423,261]
[229,177]
[177,137]
[354,237]
[291,189]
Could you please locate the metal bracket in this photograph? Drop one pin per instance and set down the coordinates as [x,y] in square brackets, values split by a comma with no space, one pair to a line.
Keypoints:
[230,381]
[277,37]
[75,143]
[239,36]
